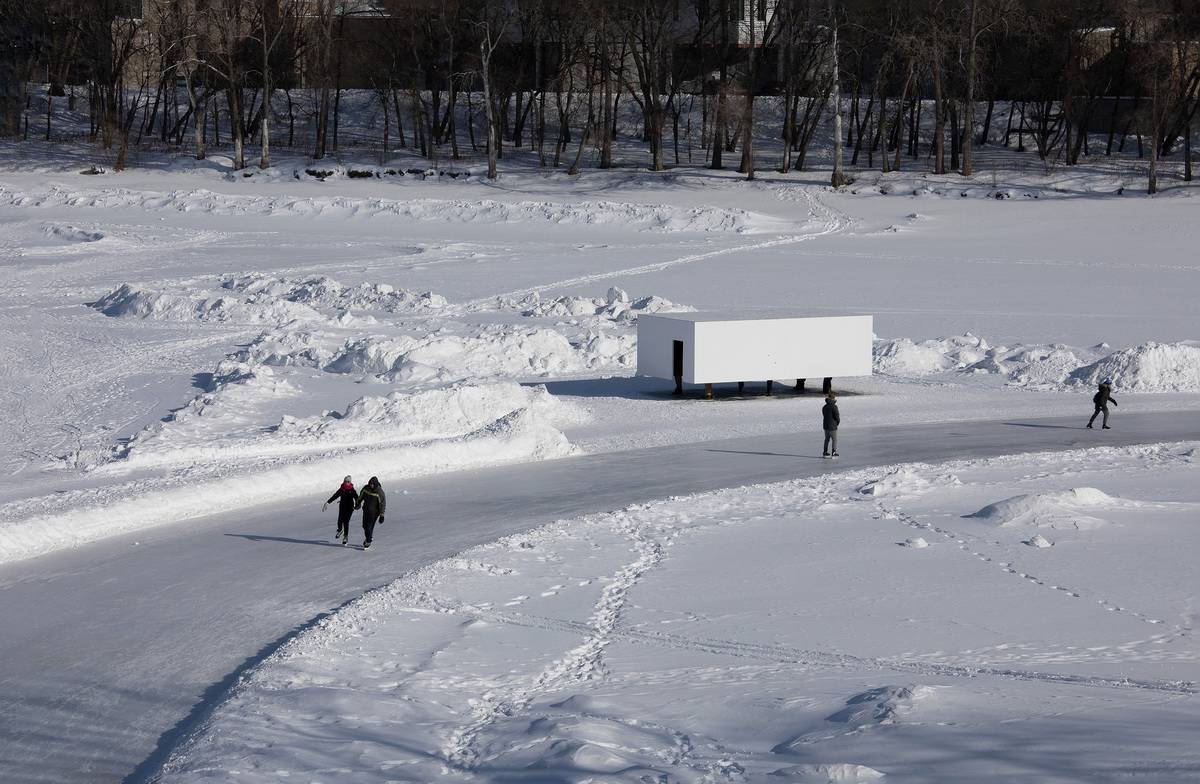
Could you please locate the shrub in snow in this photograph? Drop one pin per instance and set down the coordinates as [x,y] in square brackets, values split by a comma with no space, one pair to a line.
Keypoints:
[1151,367]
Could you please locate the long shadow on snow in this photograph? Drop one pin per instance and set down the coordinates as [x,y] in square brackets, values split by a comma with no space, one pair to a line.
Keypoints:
[284,540]
[149,770]
[1046,427]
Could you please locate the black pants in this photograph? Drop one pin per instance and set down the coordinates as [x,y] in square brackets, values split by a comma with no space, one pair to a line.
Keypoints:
[344,524]
[369,519]
[1104,421]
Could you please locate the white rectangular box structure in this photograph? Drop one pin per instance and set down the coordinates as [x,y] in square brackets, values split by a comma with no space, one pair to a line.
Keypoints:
[716,348]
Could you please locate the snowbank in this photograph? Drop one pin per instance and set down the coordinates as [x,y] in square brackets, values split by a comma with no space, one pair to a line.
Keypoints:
[636,217]
[615,306]
[222,427]
[263,299]
[1151,367]
[320,291]
[905,357]
[491,352]
[129,301]
[518,436]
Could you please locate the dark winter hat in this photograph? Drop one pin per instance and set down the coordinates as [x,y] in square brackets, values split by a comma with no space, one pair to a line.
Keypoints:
[373,481]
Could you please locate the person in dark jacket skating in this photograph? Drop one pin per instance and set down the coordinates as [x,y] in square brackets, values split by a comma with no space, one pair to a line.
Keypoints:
[1102,398]
[373,503]
[830,419]
[347,498]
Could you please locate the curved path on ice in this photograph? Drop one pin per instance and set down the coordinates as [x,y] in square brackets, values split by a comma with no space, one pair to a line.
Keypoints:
[111,653]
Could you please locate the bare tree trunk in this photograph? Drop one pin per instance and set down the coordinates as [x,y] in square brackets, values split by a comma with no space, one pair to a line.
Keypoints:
[485,50]
[939,121]
[968,165]
[838,178]
[1152,180]
[200,110]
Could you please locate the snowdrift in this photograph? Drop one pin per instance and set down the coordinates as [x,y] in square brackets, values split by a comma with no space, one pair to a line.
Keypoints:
[1069,509]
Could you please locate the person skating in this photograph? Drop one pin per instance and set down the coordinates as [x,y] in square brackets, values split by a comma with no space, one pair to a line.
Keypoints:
[830,419]
[1102,398]
[373,503]
[347,498]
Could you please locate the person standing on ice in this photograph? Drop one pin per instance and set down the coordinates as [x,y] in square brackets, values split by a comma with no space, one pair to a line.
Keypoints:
[830,419]
[373,503]
[1102,398]
[347,498]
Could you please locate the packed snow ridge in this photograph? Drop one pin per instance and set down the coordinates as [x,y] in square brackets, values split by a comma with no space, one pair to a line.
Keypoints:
[1151,367]
[637,217]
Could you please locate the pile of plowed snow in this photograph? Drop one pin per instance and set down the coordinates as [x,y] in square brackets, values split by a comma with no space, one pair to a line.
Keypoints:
[905,357]
[259,299]
[1152,367]
[615,306]
[494,351]
[222,425]
[321,291]
[433,413]
[636,217]
[129,301]
[1068,509]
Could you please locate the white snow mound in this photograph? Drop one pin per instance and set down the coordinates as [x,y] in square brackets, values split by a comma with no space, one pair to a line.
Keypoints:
[901,482]
[1067,509]
[828,773]
[1150,367]
[129,301]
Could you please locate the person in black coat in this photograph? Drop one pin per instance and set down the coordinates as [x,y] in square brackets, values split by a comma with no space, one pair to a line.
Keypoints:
[830,419]
[373,503]
[347,498]
[1101,399]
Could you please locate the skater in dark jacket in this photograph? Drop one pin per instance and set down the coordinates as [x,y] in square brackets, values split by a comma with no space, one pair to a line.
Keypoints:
[347,498]
[830,419]
[1102,398]
[373,503]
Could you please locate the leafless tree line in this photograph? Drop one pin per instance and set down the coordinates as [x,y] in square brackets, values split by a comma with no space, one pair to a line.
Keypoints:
[898,80]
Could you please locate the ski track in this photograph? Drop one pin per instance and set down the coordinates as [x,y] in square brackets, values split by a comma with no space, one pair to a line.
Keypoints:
[830,221]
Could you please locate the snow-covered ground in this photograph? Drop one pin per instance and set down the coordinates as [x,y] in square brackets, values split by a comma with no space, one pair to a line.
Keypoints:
[965,621]
[182,346]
